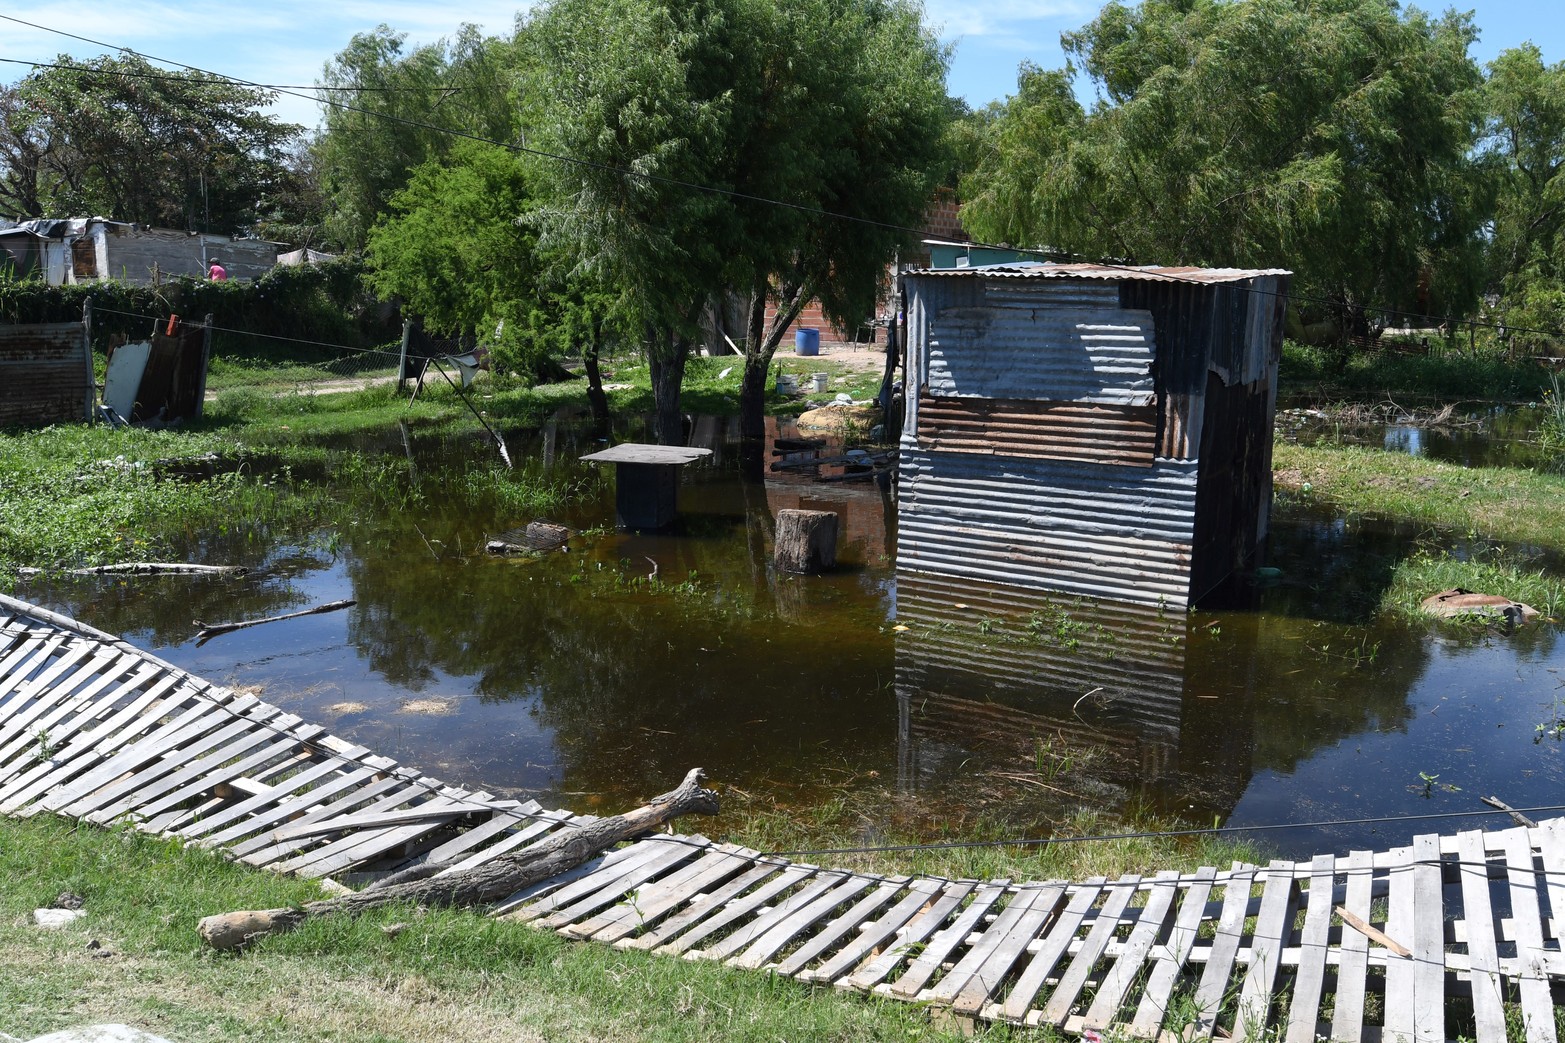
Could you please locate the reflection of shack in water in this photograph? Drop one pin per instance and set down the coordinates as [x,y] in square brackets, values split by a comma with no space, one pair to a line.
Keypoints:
[1086,699]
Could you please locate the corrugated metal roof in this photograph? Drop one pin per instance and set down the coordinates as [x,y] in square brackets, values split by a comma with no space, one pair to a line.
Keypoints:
[1111,272]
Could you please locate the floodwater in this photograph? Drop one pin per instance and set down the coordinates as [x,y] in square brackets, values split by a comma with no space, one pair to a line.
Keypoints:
[574,679]
[1470,434]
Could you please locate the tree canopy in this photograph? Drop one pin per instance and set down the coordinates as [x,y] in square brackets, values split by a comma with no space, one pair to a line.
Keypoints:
[1335,137]
[118,137]
[689,122]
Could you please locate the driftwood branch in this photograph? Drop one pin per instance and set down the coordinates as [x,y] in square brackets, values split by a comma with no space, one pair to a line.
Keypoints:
[1516,816]
[211,630]
[485,884]
[150,568]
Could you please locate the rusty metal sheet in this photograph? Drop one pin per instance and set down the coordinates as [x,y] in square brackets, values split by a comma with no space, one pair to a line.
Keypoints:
[45,374]
[1114,435]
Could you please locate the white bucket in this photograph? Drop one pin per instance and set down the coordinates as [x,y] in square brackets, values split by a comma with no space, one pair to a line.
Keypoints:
[787,383]
[819,380]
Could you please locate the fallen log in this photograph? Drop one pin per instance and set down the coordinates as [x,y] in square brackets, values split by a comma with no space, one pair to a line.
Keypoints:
[148,568]
[211,630]
[485,884]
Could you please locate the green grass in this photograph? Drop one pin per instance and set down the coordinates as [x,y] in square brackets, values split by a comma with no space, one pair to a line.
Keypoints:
[1330,375]
[450,977]
[1427,572]
[1497,503]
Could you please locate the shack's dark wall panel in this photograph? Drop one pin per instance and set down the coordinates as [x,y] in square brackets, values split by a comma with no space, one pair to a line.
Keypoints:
[45,374]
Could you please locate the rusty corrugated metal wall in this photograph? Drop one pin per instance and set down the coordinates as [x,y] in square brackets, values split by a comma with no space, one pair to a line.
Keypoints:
[1056,427]
[45,374]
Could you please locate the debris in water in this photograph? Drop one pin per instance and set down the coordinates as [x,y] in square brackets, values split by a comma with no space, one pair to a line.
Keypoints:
[429,707]
[1458,602]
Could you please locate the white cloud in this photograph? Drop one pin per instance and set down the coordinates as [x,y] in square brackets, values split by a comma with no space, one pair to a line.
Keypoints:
[1012,18]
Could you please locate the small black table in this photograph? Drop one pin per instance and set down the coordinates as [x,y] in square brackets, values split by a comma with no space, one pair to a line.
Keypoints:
[646,481]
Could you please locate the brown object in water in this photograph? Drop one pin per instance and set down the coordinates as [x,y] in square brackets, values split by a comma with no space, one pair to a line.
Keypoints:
[485,884]
[1459,602]
[806,541]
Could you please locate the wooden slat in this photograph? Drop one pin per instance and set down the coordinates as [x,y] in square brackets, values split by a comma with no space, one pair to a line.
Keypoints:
[508,815]
[1347,1016]
[1266,945]
[616,871]
[677,853]
[1128,966]
[1074,978]
[518,905]
[935,953]
[1055,944]
[823,882]
[254,814]
[216,775]
[1428,943]
[1400,981]
[662,898]
[844,925]
[66,720]
[875,935]
[360,847]
[1532,980]
[89,746]
[1550,840]
[134,789]
[1225,947]
[702,906]
[1170,962]
[1314,942]
[198,717]
[976,981]
[20,728]
[1488,990]
[734,909]
[775,940]
[926,923]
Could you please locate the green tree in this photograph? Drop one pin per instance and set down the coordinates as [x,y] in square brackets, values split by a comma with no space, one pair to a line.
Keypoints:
[1525,143]
[684,120]
[1333,137]
[118,137]
[387,110]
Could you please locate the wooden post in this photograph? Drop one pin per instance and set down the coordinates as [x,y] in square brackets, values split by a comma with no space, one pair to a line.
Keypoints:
[806,541]
[402,361]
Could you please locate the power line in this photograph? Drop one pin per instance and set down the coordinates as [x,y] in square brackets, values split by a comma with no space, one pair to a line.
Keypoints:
[744,196]
[219,78]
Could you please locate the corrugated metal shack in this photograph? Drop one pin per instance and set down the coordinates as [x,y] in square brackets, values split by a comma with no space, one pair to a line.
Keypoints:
[83,249]
[1094,429]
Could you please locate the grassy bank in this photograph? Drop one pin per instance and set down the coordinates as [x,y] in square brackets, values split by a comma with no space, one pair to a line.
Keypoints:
[1328,375]
[450,977]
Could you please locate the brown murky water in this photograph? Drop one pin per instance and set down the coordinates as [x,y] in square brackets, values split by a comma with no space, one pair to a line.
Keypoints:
[572,679]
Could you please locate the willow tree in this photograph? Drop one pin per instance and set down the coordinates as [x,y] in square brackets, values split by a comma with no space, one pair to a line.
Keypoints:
[730,145]
[1525,144]
[1334,137]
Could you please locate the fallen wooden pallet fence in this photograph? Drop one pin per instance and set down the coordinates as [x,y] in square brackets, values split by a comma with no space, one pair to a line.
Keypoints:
[1457,936]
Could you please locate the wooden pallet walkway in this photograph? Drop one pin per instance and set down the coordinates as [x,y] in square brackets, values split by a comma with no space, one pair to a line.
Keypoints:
[1463,940]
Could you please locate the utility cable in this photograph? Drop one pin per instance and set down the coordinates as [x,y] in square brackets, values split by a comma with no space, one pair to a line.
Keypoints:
[208,79]
[726,192]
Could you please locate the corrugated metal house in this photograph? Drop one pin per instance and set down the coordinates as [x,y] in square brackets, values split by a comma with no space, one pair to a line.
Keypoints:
[1094,429]
[45,374]
[84,249]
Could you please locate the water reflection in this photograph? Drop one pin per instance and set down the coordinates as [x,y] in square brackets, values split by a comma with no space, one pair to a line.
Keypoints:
[575,679]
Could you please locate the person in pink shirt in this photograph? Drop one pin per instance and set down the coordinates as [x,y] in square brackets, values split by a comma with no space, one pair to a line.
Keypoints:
[217,273]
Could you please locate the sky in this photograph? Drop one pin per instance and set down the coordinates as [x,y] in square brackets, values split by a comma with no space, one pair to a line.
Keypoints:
[286,42]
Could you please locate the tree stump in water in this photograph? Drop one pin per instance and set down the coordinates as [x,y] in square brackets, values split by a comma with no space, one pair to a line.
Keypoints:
[806,541]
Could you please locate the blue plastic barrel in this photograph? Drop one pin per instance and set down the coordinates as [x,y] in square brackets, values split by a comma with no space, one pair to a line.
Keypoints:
[806,341]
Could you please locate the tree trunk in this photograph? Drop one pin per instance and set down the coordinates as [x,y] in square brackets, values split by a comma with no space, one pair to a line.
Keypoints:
[596,398]
[486,884]
[806,541]
[666,359]
[760,346]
